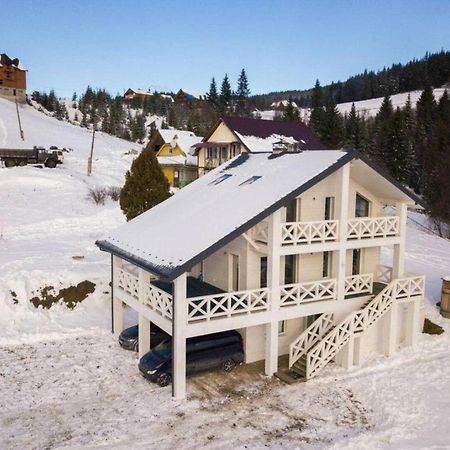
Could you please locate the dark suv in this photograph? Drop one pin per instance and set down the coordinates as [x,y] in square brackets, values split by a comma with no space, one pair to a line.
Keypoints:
[129,338]
[211,351]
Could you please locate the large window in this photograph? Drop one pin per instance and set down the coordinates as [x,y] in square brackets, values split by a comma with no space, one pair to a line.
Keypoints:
[326,264]
[211,153]
[263,272]
[290,269]
[329,208]
[362,206]
[282,327]
[356,262]
[292,211]
[223,154]
[234,272]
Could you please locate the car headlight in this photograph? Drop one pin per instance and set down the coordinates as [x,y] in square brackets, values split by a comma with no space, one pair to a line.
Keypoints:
[151,372]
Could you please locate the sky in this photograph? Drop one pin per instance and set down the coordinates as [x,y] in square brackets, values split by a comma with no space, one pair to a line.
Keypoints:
[170,44]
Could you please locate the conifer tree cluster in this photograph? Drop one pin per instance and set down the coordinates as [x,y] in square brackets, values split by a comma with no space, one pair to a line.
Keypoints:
[51,103]
[145,185]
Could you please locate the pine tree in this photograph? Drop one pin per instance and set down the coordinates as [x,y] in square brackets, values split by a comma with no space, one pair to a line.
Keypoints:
[331,128]
[290,112]
[213,96]
[225,94]
[242,94]
[354,130]
[74,97]
[317,116]
[145,185]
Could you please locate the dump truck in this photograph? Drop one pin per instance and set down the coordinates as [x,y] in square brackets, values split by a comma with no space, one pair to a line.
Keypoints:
[37,155]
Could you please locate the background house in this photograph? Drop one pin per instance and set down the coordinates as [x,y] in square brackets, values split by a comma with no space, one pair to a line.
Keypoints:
[136,94]
[189,95]
[178,165]
[233,135]
[13,79]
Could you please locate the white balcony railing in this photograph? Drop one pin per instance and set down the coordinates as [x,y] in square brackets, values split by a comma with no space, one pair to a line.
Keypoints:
[312,291]
[296,233]
[359,284]
[373,227]
[128,282]
[384,273]
[228,304]
[157,300]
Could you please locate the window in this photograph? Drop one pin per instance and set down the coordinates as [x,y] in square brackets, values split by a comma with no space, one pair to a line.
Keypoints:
[311,319]
[234,272]
[234,150]
[282,327]
[326,264]
[329,208]
[220,179]
[211,153]
[362,206]
[250,180]
[263,272]
[356,262]
[223,153]
[176,178]
[291,211]
[290,269]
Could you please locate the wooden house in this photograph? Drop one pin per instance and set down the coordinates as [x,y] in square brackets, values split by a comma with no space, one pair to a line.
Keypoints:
[303,255]
[13,79]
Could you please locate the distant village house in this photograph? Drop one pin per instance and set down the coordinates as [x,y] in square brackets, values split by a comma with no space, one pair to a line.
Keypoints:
[136,94]
[184,95]
[13,79]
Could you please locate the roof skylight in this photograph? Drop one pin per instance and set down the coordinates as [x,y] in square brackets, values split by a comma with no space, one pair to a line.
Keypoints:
[250,180]
[223,177]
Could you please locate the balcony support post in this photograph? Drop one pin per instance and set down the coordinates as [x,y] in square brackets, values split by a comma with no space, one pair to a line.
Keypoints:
[398,263]
[413,322]
[390,334]
[342,202]
[144,323]
[179,323]
[273,282]
[117,304]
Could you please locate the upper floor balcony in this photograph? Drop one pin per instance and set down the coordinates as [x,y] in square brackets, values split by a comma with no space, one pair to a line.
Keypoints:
[327,231]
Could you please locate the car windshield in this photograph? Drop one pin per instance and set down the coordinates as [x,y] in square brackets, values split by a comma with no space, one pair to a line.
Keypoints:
[163,350]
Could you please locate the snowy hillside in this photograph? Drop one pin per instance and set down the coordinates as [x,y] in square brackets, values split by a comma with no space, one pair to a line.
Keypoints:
[65,383]
[366,108]
[369,108]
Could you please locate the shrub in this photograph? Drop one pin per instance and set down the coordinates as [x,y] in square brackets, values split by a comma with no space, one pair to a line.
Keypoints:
[113,192]
[97,195]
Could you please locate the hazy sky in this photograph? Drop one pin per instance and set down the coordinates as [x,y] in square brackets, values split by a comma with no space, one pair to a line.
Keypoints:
[166,44]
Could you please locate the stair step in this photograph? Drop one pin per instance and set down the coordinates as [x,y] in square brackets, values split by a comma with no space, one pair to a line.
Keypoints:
[289,376]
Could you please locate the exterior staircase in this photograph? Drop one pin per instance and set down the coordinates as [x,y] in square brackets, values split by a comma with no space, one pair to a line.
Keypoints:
[322,340]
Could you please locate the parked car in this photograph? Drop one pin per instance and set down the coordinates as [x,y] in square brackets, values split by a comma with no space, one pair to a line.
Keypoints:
[129,338]
[211,351]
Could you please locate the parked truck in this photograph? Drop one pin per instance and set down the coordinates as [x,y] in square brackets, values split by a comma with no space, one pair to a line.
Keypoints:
[37,155]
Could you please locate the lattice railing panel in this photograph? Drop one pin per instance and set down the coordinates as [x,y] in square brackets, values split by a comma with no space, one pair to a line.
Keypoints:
[373,227]
[299,293]
[157,300]
[229,304]
[297,233]
[309,337]
[359,284]
[128,282]
[260,232]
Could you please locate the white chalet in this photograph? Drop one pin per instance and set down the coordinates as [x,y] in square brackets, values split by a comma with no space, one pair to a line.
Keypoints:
[287,248]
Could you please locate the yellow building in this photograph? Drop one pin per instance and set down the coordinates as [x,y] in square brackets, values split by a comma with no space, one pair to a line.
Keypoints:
[178,165]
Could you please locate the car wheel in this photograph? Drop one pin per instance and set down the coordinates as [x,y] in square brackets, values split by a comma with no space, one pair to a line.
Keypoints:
[164,379]
[22,163]
[136,346]
[9,163]
[228,365]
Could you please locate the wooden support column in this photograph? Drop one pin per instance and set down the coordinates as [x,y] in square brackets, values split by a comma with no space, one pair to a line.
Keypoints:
[179,323]
[412,322]
[339,261]
[390,335]
[144,335]
[273,283]
[398,263]
[358,343]
[117,304]
[348,353]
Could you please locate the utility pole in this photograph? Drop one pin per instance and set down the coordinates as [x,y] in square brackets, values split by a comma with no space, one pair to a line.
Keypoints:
[20,124]
[89,171]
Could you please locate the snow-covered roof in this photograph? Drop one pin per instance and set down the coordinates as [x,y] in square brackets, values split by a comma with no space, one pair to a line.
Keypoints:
[257,145]
[139,91]
[188,160]
[185,139]
[210,213]
[5,60]
[193,93]
[283,103]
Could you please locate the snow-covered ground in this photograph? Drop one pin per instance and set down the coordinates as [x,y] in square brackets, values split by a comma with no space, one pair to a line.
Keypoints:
[65,383]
